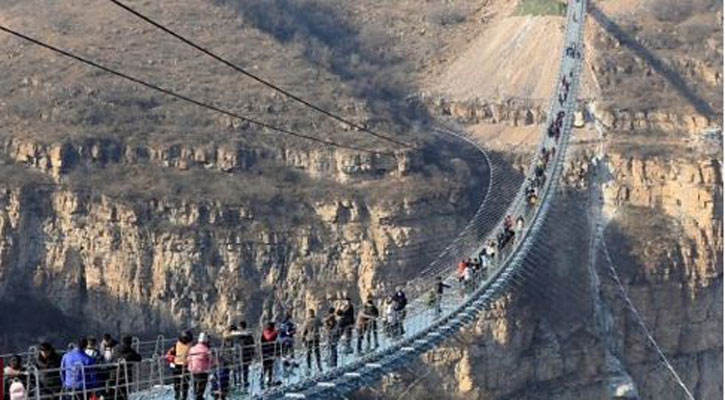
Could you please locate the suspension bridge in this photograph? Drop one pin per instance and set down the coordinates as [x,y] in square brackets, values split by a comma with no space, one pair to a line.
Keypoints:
[423,327]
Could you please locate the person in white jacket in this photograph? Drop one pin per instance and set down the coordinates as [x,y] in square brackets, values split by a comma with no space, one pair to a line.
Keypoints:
[391,316]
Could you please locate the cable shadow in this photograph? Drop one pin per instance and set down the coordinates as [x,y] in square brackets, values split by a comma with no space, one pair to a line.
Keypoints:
[672,76]
[329,41]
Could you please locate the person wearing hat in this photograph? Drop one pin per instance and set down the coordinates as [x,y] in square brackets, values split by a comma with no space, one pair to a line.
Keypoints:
[200,363]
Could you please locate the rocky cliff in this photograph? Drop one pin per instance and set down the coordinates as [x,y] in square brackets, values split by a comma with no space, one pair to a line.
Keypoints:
[148,263]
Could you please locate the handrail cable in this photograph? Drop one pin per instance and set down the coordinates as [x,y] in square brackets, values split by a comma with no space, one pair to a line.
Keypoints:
[186,98]
[259,79]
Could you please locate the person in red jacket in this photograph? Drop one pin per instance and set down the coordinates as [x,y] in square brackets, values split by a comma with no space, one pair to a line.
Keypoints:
[461,271]
[270,352]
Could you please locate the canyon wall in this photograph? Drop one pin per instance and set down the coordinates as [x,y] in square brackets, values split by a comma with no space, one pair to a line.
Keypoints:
[94,257]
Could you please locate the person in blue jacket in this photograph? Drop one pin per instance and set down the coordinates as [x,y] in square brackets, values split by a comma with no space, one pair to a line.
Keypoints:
[76,370]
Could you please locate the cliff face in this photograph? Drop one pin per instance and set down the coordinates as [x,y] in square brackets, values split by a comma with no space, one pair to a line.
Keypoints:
[154,265]
[339,165]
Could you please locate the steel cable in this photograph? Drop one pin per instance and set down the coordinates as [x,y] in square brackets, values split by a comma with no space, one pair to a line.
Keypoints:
[257,78]
[186,98]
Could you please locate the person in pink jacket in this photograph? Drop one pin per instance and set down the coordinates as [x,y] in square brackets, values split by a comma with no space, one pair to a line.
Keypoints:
[200,363]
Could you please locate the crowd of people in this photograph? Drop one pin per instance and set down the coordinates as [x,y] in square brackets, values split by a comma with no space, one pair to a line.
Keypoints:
[337,329]
[87,366]
[105,369]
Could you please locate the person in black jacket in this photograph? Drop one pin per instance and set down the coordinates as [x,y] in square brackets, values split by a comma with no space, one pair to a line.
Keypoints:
[47,361]
[242,341]
[440,286]
[311,338]
[126,357]
[401,302]
[346,321]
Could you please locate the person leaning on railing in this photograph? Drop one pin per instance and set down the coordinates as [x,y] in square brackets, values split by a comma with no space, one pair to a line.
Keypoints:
[367,324]
[241,340]
[47,361]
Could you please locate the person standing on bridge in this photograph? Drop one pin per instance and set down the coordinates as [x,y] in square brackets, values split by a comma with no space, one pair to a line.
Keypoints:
[92,350]
[468,277]
[241,340]
[108,345]
[311,336]
[346,321]
[47,362]
[402,302]
[270,352]
[200,363]
[247,349]
[124,353]
[391,317]
[180,361]
[333,335]
[12,373]
[440,286]
[365,319]
[230,340]
[287,331]
[371,310]
[75,369]
[491,250]
[519,225]
[461,270]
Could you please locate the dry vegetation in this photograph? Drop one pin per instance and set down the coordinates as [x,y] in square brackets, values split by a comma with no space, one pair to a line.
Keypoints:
[661,55]
[358,59]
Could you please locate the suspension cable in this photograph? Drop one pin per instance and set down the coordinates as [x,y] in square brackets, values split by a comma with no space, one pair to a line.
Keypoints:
[186,98]
[641,322]
[265,82]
